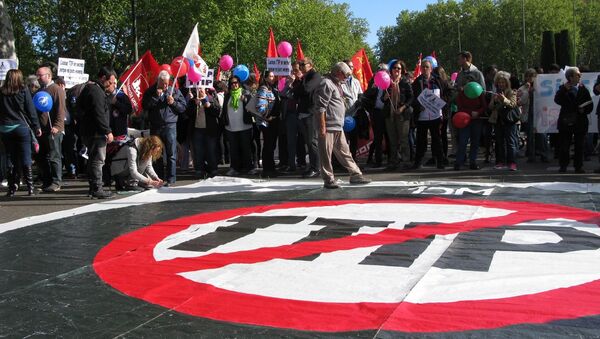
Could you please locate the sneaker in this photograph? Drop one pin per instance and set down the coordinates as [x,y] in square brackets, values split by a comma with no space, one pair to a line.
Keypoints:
[500,165]
[52,188]
[512,167]
[254,171]
[331,185]
[359,180]
[474,167]
[102,194]
[232,173]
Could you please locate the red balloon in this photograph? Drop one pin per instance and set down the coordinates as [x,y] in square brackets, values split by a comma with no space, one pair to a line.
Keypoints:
[166,67]
[179,66]
[461,119]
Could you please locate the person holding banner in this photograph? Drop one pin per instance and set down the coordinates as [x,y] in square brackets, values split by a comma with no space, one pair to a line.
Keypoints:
[53,127]
[429,89]
[17,116]
[575,103]
[164,104]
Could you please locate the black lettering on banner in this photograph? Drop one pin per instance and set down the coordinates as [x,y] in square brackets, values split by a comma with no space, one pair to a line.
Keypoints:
[474,251]
[335,229]
[244,226]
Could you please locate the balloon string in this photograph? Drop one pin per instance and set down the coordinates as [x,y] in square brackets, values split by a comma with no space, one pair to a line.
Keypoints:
[176,74]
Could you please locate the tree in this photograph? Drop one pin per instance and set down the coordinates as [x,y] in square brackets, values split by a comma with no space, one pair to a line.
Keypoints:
[7,38]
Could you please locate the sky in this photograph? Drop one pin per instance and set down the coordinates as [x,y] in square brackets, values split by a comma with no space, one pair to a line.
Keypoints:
[382,12]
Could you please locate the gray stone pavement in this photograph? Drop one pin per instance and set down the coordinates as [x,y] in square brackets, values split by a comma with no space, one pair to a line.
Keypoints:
[74,191]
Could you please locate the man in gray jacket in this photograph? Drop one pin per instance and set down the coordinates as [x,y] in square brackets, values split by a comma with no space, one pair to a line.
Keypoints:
[329,121]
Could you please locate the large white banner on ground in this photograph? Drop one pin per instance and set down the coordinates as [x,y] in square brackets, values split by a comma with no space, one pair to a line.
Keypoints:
[546,111]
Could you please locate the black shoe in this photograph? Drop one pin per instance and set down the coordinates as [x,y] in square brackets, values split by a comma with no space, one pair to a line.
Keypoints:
[359,180]
[331,185]
[102,194]
[579,170]
[310,174]
[474,167]
[416,166]
[562,170]
[456,167]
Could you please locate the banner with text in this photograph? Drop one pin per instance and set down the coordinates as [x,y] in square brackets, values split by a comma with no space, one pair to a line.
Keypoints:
[72,70]
[6,65]
[546,111]
[280,66]
[207,80]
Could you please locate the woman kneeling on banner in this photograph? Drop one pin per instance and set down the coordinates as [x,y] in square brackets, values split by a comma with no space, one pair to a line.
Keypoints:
[132,165]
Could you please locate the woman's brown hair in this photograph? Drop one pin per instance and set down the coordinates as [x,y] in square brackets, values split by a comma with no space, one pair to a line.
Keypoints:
[13,83]
[151,147]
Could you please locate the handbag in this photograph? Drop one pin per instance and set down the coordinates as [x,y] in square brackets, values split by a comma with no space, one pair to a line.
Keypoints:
[512,115]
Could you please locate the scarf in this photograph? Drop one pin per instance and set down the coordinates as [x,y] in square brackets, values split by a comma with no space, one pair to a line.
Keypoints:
[236,94]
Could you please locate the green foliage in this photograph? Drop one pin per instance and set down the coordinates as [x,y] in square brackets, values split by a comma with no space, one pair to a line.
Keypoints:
[100,31]
[493,31]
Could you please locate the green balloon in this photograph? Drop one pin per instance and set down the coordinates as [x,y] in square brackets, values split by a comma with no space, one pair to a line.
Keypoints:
[473,90]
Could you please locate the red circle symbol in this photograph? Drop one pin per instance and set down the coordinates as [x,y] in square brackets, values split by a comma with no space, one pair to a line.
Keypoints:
[128,264]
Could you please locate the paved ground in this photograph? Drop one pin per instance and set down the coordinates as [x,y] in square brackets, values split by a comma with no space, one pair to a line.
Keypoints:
[74,192]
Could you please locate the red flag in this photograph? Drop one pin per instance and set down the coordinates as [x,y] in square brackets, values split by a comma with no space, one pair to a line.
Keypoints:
[417,71]
[257,73]
[138,78]
[362,68]
[299,53]
[272,48]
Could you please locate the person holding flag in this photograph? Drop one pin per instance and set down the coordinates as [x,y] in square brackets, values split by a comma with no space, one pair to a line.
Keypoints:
[164,104]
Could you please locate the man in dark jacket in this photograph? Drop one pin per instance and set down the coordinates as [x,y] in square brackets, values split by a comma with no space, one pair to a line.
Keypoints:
[164,104]
[95,131]
[304,94]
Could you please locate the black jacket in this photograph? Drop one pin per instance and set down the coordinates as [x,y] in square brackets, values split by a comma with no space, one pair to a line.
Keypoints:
[420,84]
[94,109]
[119,114]
[597,93]
[405,98]
[304,94]
[212,115]
[243,101]
[572,113]
[159,112]
[13,106]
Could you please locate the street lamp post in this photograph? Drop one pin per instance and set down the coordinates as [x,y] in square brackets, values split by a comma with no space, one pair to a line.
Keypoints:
[458,18]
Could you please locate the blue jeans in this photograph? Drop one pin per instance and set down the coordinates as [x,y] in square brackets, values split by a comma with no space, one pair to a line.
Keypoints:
[205,151]
[473,133]
[17,144]
[507,139]
[168,135]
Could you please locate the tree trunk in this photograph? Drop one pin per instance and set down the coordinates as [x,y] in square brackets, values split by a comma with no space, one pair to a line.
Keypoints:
[7,37]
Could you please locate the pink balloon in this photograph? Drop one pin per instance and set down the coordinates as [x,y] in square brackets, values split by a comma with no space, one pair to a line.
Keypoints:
[226,62]
[382,80]
[284,49]
[193,76]
[453,76]
[281,84]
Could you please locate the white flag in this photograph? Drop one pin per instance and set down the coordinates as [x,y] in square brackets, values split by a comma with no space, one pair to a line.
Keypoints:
[191,52]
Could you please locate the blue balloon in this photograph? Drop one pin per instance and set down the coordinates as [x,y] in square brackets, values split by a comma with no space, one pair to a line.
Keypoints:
[242,72]
[432,60]
[349,123]
[390,64]
[43,101]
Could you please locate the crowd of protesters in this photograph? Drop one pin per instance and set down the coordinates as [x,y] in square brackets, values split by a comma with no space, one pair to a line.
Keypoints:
[243,123]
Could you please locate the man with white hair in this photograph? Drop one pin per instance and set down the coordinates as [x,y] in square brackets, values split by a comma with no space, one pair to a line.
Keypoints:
[164,104]
[329,121]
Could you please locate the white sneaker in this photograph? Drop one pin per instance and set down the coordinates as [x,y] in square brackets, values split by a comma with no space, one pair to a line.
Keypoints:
[4,183]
